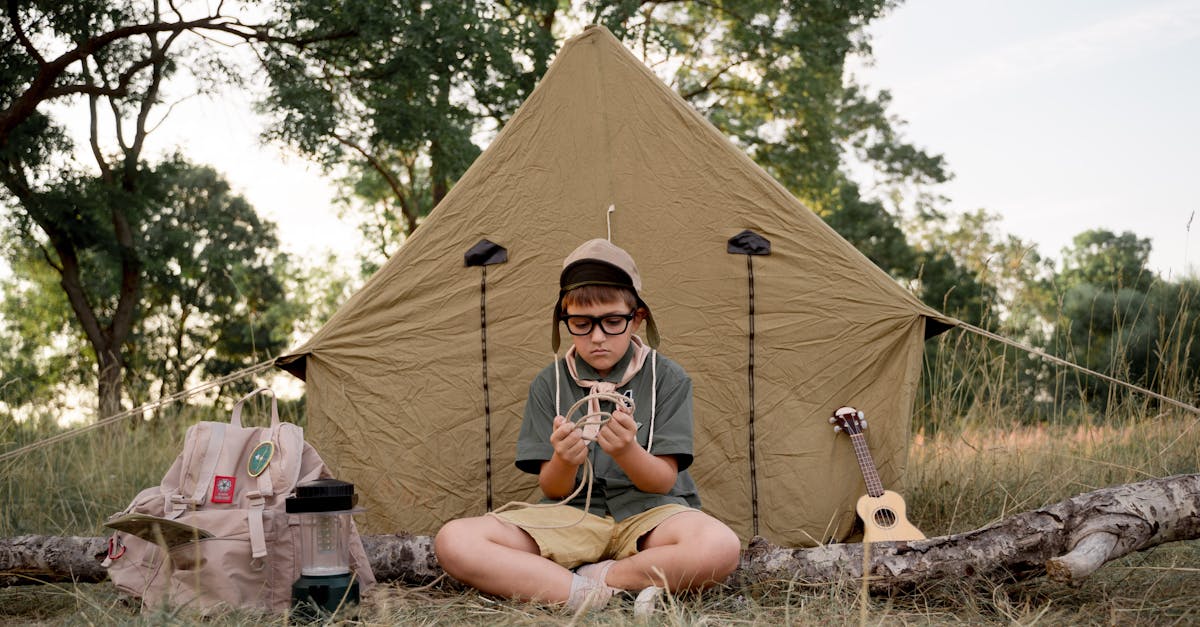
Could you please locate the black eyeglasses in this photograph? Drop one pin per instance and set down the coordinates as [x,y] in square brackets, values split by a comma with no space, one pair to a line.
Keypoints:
[611,324]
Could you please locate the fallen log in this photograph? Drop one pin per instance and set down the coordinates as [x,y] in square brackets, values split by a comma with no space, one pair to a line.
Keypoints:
[1068,541]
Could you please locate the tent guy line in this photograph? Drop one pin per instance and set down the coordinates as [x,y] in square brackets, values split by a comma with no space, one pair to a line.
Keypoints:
[162,402]
[241,374]
[1040,353]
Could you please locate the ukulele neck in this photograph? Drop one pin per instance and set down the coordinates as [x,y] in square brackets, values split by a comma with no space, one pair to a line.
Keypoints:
[867,463]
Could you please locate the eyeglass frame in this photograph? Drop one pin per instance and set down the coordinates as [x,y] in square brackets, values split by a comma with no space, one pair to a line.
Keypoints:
[595,321]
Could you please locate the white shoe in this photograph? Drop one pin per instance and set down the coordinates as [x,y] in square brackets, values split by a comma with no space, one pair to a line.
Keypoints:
[646,601]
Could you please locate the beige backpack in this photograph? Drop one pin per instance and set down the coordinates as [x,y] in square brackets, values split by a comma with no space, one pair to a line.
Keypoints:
[215,534]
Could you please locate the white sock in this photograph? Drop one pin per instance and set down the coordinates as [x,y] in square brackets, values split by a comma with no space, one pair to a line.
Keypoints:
[597,572]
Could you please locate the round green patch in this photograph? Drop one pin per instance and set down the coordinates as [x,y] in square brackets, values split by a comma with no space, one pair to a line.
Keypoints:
[260,458]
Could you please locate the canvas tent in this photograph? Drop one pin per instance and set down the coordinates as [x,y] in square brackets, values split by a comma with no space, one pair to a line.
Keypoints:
[416,386]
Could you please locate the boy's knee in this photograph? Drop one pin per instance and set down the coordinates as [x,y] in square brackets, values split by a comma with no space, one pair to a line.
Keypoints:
[729,546]
[724,549]
[447,544]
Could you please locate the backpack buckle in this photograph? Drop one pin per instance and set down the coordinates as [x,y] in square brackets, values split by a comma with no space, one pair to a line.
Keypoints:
[256,500]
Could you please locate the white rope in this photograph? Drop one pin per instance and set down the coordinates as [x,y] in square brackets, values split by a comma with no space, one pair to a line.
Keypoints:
[1063,362]
[595,418]
[653,396]
[166,400]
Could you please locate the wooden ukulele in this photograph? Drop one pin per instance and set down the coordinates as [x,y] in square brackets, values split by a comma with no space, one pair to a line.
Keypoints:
[882,511]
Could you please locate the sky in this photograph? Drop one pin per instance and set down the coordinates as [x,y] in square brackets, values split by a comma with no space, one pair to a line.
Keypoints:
[1058,116]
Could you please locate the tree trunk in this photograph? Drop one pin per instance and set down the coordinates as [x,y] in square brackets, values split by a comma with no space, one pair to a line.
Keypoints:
[1067,540]
[109,385]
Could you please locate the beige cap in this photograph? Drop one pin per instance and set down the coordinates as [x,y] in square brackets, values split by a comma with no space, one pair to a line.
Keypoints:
[600,262]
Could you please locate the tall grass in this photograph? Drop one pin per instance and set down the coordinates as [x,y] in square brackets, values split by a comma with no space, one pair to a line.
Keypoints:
[70,488]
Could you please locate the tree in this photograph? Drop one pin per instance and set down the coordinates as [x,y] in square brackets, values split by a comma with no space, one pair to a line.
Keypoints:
[211,295]
[214,293]
[399,105]
[91,224]
[1102,258]
[406,109]
[1114,315]
[35,330]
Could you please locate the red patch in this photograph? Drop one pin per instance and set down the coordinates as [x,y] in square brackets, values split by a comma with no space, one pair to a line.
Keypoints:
[222,491]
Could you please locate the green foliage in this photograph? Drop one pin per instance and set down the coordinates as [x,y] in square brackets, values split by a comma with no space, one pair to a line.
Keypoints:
[211,299]
[1111,314]
[1145,337]
[771,75]
[1107,260]
[214,298]
[35,326]
[399,103]
[159,266]
[403,107]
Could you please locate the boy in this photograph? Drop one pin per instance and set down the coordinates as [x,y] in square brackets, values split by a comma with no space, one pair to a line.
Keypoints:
[643,530]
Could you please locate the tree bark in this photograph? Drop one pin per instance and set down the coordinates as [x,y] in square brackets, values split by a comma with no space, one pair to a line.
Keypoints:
[1068,541]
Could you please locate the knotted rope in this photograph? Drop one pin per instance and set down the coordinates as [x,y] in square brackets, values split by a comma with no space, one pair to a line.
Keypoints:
[597,419]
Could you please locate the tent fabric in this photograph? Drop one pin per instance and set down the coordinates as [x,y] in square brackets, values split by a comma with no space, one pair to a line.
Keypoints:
[395,379]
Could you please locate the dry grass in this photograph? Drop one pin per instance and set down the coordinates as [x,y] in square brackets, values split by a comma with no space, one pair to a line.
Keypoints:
[978,461]
[958,480]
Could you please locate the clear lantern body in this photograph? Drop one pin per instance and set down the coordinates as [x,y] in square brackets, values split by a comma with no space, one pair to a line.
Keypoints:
[325,543]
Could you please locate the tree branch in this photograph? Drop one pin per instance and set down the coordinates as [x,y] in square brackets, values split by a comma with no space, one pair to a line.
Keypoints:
[93,129]
[42,87]
[713,79]
[410,216]
[14,18]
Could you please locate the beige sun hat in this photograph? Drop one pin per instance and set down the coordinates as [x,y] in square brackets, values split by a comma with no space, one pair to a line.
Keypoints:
[601,262]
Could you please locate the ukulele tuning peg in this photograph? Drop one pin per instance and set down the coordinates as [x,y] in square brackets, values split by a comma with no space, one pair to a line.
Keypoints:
[832,420]
[860,415]
[837,429]
[864,423]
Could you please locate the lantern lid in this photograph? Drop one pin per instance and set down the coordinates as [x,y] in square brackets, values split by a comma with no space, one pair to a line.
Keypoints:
[322,495]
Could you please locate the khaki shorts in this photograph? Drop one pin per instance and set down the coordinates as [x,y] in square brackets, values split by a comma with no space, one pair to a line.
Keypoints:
[592,538]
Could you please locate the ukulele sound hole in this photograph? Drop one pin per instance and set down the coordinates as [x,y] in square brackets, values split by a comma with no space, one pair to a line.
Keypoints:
[885,518]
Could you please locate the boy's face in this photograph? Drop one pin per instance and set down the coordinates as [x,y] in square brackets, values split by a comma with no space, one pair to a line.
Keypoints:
[599,349]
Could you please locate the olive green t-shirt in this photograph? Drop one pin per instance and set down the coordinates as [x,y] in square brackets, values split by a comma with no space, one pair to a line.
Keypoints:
[612,491]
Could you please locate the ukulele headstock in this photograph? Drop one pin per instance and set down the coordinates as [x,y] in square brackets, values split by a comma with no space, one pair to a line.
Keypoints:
[848,420]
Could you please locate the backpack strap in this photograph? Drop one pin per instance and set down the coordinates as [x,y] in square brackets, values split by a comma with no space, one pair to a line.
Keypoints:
[212,454]
[256,500]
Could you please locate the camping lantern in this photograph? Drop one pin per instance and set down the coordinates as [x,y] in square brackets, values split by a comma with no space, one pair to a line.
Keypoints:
[325,507]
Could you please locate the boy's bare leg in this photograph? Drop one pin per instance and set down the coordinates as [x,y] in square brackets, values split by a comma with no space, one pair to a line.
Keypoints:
[499,558]
[690,549]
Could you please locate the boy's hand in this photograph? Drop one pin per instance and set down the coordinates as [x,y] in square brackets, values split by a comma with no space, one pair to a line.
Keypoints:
[618,434]
[567,442]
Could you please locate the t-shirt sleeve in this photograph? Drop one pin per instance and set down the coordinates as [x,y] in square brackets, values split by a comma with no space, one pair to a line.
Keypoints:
[533,443]
[673,418]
